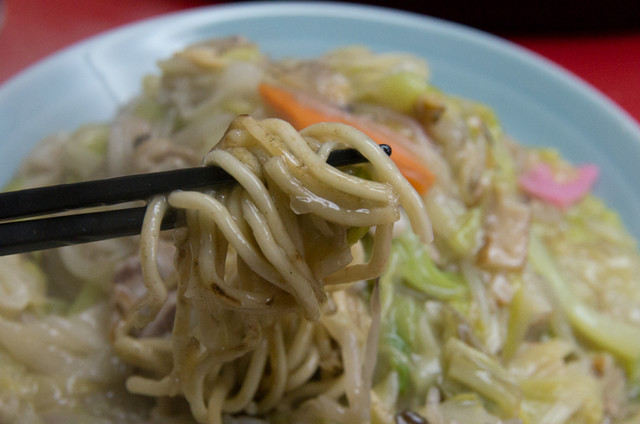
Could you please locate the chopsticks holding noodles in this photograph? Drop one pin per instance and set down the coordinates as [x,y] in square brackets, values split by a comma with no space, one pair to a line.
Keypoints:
[27,228]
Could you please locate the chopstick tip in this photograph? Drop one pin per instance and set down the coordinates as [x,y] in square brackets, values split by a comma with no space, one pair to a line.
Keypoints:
[386,148]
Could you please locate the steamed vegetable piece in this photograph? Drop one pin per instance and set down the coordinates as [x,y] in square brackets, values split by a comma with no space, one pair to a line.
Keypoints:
[458,227]
[614,336]
[558,383]
[483,374]
[28,292]
[412,266]
[302,110]
[408,342]
[408,352]
[529,307]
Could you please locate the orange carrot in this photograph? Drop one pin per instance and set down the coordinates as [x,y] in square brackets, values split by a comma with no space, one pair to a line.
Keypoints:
[302,112]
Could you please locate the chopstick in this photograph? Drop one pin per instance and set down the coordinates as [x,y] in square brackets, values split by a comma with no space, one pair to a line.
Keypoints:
[47,233]
[20,235]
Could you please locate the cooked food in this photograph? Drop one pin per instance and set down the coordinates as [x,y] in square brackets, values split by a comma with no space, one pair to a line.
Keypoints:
[466,279]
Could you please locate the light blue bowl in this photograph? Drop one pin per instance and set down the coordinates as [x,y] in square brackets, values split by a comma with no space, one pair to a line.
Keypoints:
[537,102]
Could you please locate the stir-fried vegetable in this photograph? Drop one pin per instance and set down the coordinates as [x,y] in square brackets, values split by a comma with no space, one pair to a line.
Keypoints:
[483,374]
[413,267]
[615,336]
[408,348]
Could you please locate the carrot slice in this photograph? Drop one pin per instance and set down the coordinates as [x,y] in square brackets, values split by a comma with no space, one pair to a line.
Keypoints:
[302,111]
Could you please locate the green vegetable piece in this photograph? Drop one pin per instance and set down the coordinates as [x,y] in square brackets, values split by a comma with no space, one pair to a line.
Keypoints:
[418,271]
[243,54]
[620,338]
[465,239]
[84,154]
[88,296]
[150,110]
[355,234]
[480,372]
[398,91]
[397,351]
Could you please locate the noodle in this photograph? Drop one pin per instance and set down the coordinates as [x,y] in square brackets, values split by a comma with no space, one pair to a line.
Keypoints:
[247,314]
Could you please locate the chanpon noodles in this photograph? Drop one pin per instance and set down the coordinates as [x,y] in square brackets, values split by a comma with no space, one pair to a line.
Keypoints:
[466,279]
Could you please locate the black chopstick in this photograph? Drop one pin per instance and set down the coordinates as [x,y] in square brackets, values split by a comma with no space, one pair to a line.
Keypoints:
[49,232]
[46,233]
[110,191]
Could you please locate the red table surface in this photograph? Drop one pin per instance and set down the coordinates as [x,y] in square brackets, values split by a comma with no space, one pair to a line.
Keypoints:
[34,29]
